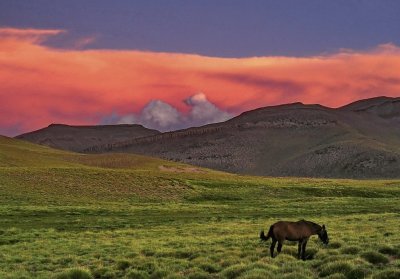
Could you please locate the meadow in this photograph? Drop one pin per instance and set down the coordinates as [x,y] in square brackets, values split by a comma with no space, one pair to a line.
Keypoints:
[66,215]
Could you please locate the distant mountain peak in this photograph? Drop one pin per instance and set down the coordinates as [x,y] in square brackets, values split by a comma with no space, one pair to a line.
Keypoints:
[78,138]
[94,126]
[364,104]
[385,107]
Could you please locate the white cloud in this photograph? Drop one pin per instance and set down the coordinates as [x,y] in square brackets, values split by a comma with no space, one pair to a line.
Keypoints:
[204,112]
[160,115]
[164,117]
[197,99]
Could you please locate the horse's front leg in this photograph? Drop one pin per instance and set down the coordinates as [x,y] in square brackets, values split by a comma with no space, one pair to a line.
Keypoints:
[303,252]
[272,248]
[299,249]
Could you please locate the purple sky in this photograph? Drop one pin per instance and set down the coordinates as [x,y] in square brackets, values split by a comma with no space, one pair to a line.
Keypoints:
[214,28]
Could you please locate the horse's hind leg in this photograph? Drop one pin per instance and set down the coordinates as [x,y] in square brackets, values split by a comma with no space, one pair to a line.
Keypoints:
[279,249]
[272,247]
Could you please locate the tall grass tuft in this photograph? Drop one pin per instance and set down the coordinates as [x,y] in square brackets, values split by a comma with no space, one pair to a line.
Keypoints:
[375,257]
[388,274]
[358,273]
[74,273]
[335,267]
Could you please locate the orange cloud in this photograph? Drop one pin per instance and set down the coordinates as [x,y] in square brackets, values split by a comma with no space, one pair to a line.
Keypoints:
[41,85]
[35,35]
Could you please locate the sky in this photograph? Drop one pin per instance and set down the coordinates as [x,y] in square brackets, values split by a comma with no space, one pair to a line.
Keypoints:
[174,64]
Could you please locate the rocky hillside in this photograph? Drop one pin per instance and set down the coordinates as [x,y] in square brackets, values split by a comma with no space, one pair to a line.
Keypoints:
[356,141]
[78,138]
[360,140]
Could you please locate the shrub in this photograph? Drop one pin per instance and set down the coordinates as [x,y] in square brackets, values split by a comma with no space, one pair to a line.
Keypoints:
[375,257]
[388,274]
[104,273]
[335,267]
[358,273]
[74,273]
[387,250]
[123,264]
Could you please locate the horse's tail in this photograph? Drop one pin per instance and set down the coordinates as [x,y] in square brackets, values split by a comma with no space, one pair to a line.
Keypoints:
[266,237]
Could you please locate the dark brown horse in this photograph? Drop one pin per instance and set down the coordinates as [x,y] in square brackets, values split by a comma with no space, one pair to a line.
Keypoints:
[294,231]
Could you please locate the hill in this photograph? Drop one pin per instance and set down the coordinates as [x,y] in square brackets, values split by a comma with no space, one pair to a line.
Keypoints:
[70,215]
[40,174]
[77,138]
[360,140]
[382,106]
[20,154]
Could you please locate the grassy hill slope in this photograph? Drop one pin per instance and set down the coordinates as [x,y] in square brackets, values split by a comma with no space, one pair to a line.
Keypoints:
[129,216]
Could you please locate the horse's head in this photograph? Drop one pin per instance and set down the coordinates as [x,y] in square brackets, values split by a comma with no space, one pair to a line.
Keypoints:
[323,235]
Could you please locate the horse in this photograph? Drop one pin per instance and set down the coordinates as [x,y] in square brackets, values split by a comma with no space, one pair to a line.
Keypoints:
[294,231]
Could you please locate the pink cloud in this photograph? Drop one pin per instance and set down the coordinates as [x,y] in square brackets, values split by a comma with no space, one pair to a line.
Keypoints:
[33,35]
[40,85]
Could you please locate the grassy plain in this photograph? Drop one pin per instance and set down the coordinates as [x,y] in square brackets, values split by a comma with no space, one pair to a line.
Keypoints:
[66,215]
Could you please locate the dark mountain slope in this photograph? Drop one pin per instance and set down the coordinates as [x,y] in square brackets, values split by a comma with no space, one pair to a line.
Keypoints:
[384,107]
[78,138]
[360,140]
[286,140]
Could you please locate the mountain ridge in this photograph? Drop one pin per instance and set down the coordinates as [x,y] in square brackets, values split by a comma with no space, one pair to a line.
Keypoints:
[359,140]
[77,138]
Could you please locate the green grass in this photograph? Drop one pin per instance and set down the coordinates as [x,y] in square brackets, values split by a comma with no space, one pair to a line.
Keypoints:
[66,215]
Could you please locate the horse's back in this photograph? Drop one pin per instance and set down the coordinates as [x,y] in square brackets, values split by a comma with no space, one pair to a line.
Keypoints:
[281,223]
[285,224]
[291,230]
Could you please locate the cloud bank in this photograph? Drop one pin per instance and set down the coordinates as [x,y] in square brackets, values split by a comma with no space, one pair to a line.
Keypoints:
[40,85]
[162,116]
